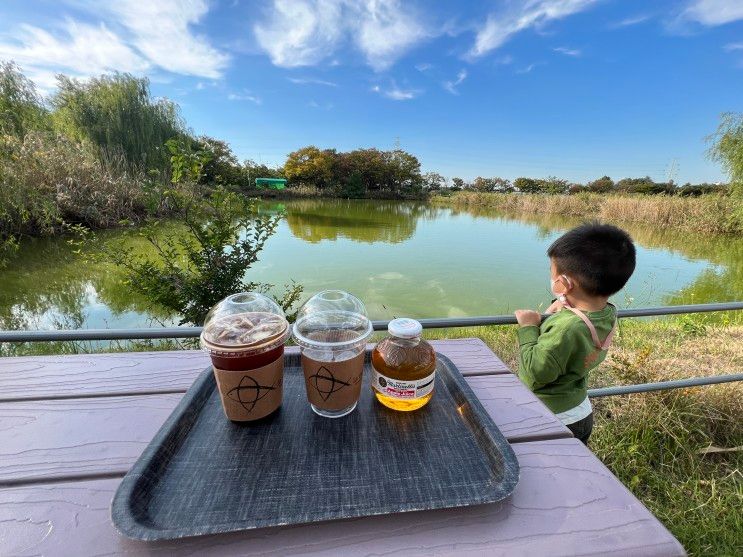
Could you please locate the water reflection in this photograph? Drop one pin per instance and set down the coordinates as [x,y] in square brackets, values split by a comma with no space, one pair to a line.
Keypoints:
[720,281]
[360,221]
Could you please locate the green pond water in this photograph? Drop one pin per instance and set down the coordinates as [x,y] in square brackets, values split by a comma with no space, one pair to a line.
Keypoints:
[402,259]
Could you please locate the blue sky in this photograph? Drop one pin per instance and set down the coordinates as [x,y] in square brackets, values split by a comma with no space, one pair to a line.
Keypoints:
[573,88]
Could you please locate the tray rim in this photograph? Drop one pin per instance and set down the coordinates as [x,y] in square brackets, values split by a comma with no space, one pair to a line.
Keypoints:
[128,526]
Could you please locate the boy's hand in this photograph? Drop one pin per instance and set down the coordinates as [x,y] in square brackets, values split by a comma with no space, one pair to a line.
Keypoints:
[527,317]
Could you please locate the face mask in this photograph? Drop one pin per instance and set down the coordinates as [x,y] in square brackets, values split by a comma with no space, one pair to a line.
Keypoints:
[568,285]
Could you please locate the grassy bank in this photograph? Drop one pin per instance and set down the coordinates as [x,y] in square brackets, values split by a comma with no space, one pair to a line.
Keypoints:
[714,214]
[655,442]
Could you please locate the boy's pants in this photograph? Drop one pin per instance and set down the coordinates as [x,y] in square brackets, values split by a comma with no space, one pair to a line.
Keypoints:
[582,428]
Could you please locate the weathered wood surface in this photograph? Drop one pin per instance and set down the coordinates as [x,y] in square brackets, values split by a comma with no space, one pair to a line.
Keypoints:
[86,437]
[37,377]
[567,503]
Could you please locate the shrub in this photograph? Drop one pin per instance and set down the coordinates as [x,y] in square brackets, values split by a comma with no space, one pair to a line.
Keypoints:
[189,272]
[527,185]
[602,185]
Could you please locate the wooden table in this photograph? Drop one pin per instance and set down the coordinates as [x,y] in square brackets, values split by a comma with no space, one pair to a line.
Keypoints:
[71,426]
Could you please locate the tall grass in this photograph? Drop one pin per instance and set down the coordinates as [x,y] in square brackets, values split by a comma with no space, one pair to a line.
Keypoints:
[709,213]
[661,445]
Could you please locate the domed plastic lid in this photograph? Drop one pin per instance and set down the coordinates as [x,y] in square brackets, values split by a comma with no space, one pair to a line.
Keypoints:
[242,324]
[404,327]
[332,319]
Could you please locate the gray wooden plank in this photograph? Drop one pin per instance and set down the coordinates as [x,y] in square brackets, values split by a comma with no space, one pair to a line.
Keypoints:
[567,503]
[43,377]
[77,438]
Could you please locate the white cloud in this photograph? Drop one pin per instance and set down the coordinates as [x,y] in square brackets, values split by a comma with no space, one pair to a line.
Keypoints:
[451,86]
[161,31]
[300,33]
[128,36]
[734,46]
[574,52]
[80,50]
[306,32]
[311,81]
[423,67]
[386,31]
[396,93]
[714,12]
[632,20]
[244,96]
[499,28]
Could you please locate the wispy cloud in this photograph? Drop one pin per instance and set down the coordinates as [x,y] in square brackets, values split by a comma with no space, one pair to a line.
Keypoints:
[161,30]
[574,52]
[77,49]
[306,32]
[423,67]
[311,81]
[632,20]
[244,96]
[396,93]
[734,46]
[320,106]
[500,27]
[127,36]
[527,69]
[713,12]
[451,86]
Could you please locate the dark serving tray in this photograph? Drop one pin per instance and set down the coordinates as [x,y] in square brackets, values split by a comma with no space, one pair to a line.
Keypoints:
[203,474]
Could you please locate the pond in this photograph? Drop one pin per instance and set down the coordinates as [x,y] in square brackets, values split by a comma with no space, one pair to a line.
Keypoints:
[402,259]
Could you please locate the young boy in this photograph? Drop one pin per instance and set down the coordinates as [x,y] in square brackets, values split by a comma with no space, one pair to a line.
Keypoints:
[588,264]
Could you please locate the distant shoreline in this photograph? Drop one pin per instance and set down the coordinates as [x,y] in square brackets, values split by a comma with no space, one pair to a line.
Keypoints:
[713,213]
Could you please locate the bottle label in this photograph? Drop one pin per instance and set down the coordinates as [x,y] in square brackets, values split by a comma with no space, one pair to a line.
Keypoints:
[405,390]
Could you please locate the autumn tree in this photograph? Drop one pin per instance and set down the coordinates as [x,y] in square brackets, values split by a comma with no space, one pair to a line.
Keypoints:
[312,166]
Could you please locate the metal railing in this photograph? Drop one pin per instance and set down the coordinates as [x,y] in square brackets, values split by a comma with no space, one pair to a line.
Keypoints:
[437,323]
[193,332]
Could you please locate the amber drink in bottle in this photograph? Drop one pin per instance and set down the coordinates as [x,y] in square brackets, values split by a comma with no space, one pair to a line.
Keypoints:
[404,367]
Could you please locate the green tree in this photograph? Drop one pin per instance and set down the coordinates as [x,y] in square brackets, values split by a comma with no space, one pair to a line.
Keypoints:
[353,187]
[527,185]
[603,185]
[727,149]
[405,172]
[222,168]
[433,181]
[21,108]
[457,184]
[119,115]
[554,185]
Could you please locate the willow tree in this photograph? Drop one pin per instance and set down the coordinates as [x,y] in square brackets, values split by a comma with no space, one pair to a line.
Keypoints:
[727,149]
[119,115]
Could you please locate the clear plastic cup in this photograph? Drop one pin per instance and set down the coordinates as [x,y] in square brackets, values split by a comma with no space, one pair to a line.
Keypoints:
[244,334]
[331,330]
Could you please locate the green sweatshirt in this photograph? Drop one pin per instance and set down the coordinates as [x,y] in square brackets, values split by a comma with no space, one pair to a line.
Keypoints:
[553,356]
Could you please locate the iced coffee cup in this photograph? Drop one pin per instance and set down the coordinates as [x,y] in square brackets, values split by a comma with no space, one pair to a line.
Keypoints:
[244,334]
[331,329]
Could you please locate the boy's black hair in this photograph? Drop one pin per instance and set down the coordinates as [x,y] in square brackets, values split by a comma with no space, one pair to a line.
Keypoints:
[600,256]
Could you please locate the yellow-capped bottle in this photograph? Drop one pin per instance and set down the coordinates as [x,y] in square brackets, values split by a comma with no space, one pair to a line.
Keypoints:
[404,367]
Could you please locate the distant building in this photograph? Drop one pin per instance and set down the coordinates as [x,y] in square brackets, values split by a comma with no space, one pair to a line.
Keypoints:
[270,183]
